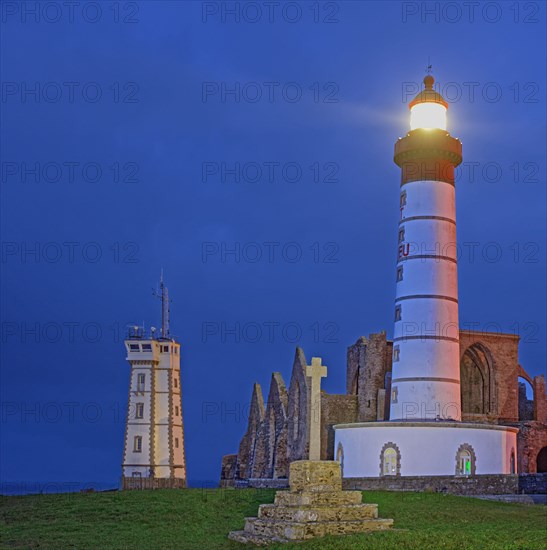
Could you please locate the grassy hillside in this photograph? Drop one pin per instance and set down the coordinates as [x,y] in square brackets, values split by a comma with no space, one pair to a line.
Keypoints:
[201,519]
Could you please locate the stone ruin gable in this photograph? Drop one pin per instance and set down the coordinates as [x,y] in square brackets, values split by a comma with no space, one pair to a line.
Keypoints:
[489,369]
[248,442]
[298,410]
[335,409]
[368,362]
[270,460]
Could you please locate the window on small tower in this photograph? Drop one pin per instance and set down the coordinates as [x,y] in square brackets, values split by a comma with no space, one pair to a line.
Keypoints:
[401,235]
[403,199]
[139,412]
[400,273]
[176,411]
[398,313]
[176,442]
[396,353]
[137,444]
[175,383]
[141,377]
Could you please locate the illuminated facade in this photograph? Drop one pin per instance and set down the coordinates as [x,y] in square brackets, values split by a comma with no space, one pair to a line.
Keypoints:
[154,455]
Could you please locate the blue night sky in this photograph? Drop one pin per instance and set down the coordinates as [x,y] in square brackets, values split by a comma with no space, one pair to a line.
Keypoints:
[164,137]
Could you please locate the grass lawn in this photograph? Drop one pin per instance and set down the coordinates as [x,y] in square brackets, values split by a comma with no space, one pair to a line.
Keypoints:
[201,519]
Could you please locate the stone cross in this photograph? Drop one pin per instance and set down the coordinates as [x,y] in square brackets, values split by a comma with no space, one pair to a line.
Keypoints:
[315,371]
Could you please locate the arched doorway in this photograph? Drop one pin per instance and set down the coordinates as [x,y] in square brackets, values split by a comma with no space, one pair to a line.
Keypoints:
[542,461]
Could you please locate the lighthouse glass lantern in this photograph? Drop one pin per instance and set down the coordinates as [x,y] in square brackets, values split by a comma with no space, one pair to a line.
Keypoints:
[428,108]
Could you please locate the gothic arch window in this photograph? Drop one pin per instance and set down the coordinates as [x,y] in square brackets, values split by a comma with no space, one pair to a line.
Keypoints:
[340,457]
[390,460]
[466,460]
[477,383]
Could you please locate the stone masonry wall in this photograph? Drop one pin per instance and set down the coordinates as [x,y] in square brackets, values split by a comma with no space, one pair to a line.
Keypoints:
[335,409]
[456,485]
[532,437]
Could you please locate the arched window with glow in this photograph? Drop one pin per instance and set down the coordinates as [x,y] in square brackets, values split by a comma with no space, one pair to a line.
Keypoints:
[390,460]
[465,463]
[465,460]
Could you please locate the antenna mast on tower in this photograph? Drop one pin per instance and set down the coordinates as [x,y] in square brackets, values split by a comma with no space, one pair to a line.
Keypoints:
[163,295]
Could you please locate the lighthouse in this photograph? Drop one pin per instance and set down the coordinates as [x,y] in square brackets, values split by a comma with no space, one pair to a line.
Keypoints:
[424,435]
[426,361]
[153,455]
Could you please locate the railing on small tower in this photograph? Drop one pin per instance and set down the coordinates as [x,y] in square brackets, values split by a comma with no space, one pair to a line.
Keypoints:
[135,333]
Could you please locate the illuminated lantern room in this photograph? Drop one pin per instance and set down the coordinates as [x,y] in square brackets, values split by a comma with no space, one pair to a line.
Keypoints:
[428,108]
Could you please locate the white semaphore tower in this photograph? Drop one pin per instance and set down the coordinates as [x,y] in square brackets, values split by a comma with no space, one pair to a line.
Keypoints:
[153,456]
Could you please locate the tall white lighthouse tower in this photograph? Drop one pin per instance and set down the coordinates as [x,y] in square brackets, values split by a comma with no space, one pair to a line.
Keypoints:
[425,435]
[426,357]
[153,454]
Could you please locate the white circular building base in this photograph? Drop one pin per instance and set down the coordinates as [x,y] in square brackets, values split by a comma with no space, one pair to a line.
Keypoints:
[426,448]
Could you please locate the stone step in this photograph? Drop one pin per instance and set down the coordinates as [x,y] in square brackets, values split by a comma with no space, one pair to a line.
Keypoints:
[306,514]
[302,531]
[258,540]
[310,498]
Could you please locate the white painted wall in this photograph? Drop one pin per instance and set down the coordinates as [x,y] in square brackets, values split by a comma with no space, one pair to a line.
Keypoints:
[425,450]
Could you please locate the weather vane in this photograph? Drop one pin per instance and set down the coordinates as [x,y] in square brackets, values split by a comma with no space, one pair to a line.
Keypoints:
[429,66]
